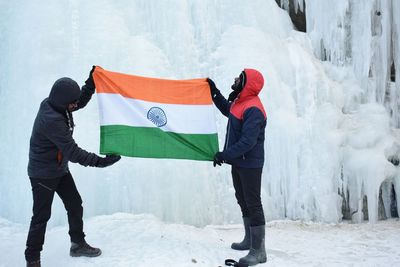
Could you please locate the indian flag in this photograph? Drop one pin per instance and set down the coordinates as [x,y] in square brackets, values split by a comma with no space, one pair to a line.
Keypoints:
[155,118]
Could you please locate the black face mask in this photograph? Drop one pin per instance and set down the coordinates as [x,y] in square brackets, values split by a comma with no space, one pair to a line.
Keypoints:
[239,83]
[237,87]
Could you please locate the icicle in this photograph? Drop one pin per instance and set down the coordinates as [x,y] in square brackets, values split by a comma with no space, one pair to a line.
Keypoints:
[395,85]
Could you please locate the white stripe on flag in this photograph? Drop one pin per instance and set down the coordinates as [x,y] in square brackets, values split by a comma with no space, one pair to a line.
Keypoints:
[190,119]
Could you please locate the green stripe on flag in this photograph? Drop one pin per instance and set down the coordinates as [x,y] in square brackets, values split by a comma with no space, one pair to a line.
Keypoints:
[146,142]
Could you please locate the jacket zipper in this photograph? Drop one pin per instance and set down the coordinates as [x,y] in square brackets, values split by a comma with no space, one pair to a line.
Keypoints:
[229,129]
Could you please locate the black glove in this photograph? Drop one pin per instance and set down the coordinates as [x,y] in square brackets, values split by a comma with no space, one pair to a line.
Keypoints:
[232,96]
[90,82]
[213,89]
[107,161]
[218,159]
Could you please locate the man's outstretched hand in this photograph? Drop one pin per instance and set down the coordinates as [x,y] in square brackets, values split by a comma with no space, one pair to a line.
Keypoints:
[213,89]
[218,160]
[107,161]
[90,82]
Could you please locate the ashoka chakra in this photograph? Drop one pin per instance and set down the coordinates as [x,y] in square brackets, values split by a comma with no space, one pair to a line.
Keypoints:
[157,116]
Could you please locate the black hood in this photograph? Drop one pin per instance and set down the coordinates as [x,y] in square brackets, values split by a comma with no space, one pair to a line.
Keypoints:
[64,92]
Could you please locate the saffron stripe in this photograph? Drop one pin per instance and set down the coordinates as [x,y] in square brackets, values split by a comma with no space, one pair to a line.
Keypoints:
[186,92]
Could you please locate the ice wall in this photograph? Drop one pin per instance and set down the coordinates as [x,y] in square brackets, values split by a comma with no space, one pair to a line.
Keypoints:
[43,41]
[364,35]
[327,132]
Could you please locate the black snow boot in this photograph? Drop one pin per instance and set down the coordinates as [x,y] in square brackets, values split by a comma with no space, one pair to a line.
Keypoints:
[245,244]
[33,263]
[83,249]
[257,252]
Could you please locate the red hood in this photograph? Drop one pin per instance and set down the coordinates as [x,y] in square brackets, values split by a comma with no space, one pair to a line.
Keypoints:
[254,83]
[249,95]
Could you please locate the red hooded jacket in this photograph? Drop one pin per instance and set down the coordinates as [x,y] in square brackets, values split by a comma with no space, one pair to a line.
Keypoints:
[247,119]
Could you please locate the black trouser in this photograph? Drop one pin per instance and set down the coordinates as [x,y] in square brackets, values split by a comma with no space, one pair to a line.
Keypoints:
[43,194]
[247,184]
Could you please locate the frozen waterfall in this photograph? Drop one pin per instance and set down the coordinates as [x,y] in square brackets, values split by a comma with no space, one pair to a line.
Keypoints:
[331,94]
[365,37]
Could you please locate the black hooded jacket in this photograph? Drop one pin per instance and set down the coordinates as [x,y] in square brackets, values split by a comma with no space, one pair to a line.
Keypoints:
[51,144]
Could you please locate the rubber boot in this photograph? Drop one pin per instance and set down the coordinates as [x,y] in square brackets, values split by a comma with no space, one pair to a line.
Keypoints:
[257,252]
[83,249]
[245,244]
[33,263]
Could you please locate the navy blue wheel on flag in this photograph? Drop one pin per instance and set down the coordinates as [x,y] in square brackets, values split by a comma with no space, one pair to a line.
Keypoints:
[157,116]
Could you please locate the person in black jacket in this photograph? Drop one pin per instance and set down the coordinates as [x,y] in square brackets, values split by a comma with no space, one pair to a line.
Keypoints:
[51,148]
[244,150]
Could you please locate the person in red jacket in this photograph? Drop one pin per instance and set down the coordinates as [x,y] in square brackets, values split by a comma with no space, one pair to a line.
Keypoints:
[244,150]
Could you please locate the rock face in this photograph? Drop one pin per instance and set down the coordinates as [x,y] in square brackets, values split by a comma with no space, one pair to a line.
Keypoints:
[296,11]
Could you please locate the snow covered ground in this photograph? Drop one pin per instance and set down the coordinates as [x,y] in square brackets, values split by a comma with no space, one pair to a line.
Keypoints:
[143,240]
[328,138]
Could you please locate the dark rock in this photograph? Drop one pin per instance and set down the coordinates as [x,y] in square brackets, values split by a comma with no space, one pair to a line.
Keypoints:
[381,206]
[365,208]
[393,73]
[298,18]
[393,203]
